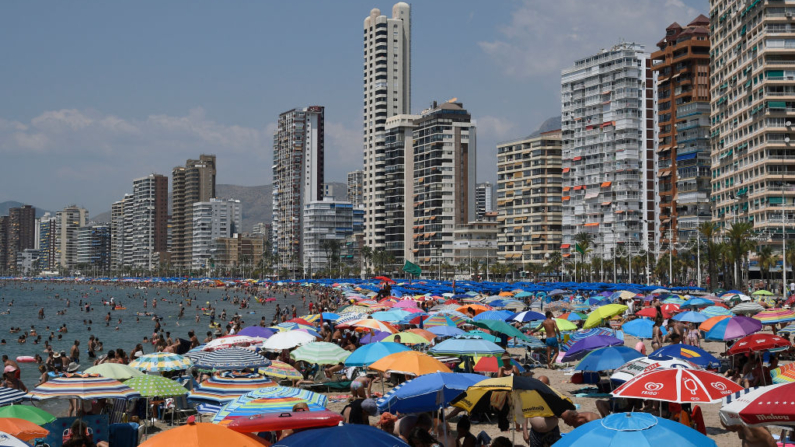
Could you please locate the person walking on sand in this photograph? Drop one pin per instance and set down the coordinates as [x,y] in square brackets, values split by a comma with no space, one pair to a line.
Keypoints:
[552,340]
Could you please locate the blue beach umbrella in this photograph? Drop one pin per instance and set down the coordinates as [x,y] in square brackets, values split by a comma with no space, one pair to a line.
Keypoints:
[342,436]
[445,331]
[371,353]
[493,315]
[420,394]
[528,315]
[466,345]
[641,328]
[716,311]
[691,317]
[636,430]
[609,358]
[695,303]
[693,354]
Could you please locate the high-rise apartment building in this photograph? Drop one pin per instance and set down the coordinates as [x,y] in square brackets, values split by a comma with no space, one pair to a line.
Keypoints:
[753,101]
[21,233]
[609,136]
[444,152]
[298,175]
[683,158]
[69,220]
[194,182]
[48,243]
[327,225]
[93,249]
[213,220]
[398,187]
[484,199]
[387,92]
[149,221]
[121,232]
[355,187]
[529,197]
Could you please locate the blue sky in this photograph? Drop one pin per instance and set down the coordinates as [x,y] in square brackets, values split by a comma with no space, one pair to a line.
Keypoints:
[95,94]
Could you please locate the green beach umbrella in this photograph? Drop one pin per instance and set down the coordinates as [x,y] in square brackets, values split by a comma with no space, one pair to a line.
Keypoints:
[762,292]
[485,336]
[408,338]
[27,412]
[320,352]
[156,386]
[501,327]
[114,371]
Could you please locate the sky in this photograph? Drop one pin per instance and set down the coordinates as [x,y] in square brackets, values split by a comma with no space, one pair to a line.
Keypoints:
[96,94]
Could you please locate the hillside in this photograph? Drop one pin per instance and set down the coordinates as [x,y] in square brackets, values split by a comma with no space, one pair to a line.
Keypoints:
[256,201]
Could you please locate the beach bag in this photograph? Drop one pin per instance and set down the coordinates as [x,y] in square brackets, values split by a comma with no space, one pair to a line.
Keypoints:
[498,399]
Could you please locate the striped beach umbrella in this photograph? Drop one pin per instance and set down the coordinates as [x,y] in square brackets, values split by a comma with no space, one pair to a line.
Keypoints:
[716,311]
[374,324]
[320,352]
[150,385]
[775,316]
[747,308]
[161,361]
[82,386]
[783,374]
[281,370]
[10,395]
[227,386]
[232,340]
[444,320]
[231,359]
[276,399]
[789,329]
[348,317]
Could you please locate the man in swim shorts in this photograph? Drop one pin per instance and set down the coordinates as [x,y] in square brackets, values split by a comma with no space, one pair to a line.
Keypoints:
[553,337]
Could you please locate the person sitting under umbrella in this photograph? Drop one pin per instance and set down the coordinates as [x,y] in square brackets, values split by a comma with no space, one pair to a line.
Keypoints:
[359,411]
[574,418]
[464,438]
[751,436]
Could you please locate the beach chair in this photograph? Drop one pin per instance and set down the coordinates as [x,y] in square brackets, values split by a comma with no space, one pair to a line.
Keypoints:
[178,408]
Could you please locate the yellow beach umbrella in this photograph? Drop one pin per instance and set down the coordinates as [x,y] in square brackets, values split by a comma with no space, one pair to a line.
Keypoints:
[595,318]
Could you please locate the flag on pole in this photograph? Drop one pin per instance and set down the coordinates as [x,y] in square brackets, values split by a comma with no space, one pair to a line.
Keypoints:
[579,249]
[412,269]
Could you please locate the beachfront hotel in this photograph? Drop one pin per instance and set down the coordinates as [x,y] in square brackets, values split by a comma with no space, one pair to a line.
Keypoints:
[529,194]
[683,113]
[753,99]
[387,92]
[609,134]
[298,164]
[194,182]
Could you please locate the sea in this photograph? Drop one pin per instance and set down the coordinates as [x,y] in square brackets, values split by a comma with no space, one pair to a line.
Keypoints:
[126,328]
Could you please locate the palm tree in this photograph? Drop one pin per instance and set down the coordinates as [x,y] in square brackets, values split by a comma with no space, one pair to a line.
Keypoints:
[739,243]
[554,262]
[709,230]
[367,255]
[766,259]
[584,241]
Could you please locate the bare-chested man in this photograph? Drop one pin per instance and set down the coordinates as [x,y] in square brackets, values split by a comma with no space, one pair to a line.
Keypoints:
[752,436]
[541,431]
[576,418]
[552,339]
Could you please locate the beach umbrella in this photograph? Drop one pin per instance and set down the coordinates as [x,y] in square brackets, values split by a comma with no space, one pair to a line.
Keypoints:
[275,399]
[221,388]
[321,353]
[231,359]
[200,435]
[582,347]
[573,316]
[646,364]
[10,395]
[760,406]
[256,331]
[161,361]
[7,440]
[762,292]
[758,343]
[716,311]
[493,363]
[156,386]
[422,394]
[678,385]
[373,338]
[352,309]
[342,436]
[733,328]
[287,340]
[775,316]
[446,331]
[500,326]
[22,429]
[712,321]
[369,354]
[641,328]
[690,317]
[747,308]
[493,315]
[475,308]
[531,397]
[695,303]
[347,317]
[281,370]
[563,325]
[409,362]
[609,358]
[231,341]
[674,300]
[636,430]
[114,371]
[483,335]
[603,312]
[374,325]
[443,320]
[428,335]
[783,374]
[392,316]
[788,329]
[692,354]
[408,338]
[651,312]
[27,412]
[82,386]
[466,345]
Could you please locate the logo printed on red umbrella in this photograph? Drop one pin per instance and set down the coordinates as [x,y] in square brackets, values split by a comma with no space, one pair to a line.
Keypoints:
[720,386]
[652,388]
[691,385]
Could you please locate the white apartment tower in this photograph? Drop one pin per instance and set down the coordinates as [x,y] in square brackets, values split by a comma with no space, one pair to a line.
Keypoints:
[387,92]
[211,221]
[608,134]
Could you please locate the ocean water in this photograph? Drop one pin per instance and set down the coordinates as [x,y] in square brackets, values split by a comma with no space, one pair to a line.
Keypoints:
[24,299]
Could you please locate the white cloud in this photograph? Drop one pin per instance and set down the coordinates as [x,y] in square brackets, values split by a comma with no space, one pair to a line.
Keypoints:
[496,128]
[545,37]
[343,150]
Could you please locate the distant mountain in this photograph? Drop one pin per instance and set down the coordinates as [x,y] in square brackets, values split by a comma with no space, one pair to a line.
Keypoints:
[5,206]
[256,201]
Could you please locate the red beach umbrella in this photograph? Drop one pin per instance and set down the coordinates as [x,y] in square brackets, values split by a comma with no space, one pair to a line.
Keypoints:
[678,385]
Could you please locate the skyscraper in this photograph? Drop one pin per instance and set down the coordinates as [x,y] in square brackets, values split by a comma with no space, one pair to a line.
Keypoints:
[194,182]
[21,233]
[444,153]
[120,237]
[355,185]
[683,166]
[298,164]
[48,242]
[213,220]
[484,193]
[149,222]
[398,189]
[69,220]
[387,92]
[608,134]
